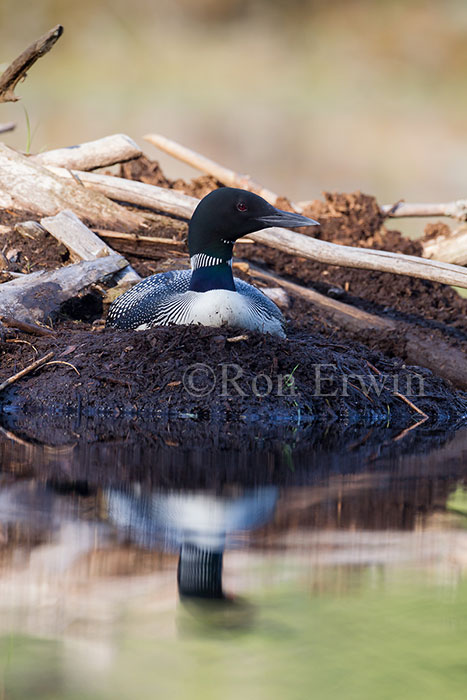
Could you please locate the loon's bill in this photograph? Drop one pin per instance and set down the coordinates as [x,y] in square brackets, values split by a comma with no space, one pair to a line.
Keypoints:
[208,294]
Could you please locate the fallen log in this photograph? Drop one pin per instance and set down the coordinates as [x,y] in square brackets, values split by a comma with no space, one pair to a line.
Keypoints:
[346,315]
[101,153]
[38,296]
[83,243]
[27,185]
[19,67]
[225,175]
[176,203]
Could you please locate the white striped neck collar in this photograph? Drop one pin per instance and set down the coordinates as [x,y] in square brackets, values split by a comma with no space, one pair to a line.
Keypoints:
[205,260]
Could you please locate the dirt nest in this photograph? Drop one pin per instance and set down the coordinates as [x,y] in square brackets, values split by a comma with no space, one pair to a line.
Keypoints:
[360,377]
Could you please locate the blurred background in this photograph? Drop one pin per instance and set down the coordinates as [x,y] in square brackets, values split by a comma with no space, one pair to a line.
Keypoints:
[304,95]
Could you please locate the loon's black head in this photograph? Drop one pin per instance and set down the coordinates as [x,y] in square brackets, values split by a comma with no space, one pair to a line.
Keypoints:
[226,214]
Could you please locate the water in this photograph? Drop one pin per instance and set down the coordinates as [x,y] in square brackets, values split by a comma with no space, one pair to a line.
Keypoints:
[293,573]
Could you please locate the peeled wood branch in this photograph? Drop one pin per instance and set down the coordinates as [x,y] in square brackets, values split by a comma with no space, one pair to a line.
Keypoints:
[455,210]
[82,243]
[206,165]
[160,199]
[25,184]
[176,203]
[101,153]
[451,248]
[136,238]
[18,69]
[38,296]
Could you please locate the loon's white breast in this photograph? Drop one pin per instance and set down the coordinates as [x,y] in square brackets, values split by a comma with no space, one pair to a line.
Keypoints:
[219,307]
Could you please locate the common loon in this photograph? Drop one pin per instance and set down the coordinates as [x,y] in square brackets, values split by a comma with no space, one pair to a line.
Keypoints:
[209,294]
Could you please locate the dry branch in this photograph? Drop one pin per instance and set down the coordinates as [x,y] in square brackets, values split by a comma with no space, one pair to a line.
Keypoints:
[361,258]
[27,370]
[101,153]
[222,174]
[455,210]
[171,202]
[136,238]
[176,203]
[82,243]
[31,328]
[37,297]
[25,184]
[18,69]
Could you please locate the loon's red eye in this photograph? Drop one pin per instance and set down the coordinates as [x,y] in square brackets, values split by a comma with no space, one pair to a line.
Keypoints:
[241,206]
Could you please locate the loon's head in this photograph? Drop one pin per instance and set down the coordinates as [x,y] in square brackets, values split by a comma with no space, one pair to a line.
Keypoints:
[227,214]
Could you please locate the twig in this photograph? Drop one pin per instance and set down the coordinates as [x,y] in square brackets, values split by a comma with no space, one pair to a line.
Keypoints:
[23,342]
[222,174]
[176,203]
[117,148]
[137,238]
[237,338]
[409,403]
[17,70]
[30,368]
[62,362]
[31,328]
[9,126]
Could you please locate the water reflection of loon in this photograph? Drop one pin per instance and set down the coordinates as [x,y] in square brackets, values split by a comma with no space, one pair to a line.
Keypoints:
[199,525]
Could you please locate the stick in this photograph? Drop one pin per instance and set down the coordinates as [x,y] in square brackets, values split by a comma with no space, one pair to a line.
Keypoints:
[160,199]
[101,153]
[25,184]
[17,70]
[456,210]
[222,174]
[176,203]
[409,403]
[27,370]
[31,328]
[361,258]
[9,126]
[347,316]
[38,296]
[138,239]
[83,243]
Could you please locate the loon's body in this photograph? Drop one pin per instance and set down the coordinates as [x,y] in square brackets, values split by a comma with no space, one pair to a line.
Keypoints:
[208,294]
